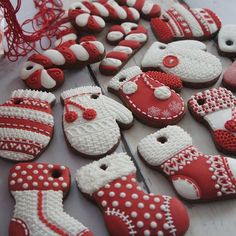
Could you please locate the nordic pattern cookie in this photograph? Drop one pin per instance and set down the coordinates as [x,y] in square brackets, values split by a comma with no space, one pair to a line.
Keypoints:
[215,108]
[187,60]
[127,210]
[170,151]
[38,190]
[180,22]
[229,79]
[90,121]
[130,38]
[26,124]
[152,102]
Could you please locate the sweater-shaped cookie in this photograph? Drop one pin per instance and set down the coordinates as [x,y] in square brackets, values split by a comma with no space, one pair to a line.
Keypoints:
[26,124]
[152,102]
[215,108]
[194,175]
[38,190]
[90,121]
[127,210]
[188,60]
[180,22]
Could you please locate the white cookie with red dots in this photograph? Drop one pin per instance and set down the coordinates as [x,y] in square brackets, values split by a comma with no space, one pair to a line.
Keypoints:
[92,121]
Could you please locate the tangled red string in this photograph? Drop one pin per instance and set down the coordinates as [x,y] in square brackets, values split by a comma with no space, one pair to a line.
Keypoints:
[19,42]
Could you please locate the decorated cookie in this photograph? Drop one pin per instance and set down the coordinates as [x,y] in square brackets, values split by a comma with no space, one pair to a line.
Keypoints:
[181,162]
[146,8]
[130,38]
[227,41]
[127,210]
[38,190]
[180,22]
[215,108]
[187,60]
[152,102]
[90,121]
[42,72]
[26,124]
[229,79]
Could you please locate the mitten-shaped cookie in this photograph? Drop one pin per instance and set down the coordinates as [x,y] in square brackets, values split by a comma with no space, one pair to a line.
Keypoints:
[215,108]
[229,79]
[180,22]
[194,175]
[227,41]
[152,102]
[90,121]
[188,60]
[130,38]
[127,209]
[38,190]
[146,8]
[26,124]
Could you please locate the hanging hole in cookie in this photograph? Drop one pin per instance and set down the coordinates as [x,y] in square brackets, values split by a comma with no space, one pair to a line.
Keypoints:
[229,42]
[77,7]
[162,139]
[56,174]
[103,166]
[165,19]
[94,96]
[122,79]
[134,27]
[162,47]
[18,101]
[29,67]
[201,101]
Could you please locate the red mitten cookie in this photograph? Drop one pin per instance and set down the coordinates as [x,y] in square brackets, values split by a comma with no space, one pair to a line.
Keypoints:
[26,124]
[215,108]
[127,209]
[151,102]
[130,38]
[194,175]
[227,41]
[38,190]
[229,79]
[91,121]
[186,59]
[180,22]
[146,8]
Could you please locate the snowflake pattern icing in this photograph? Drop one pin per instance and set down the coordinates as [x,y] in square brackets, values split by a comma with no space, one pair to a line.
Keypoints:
[166,113]
[175,106]
[154,111]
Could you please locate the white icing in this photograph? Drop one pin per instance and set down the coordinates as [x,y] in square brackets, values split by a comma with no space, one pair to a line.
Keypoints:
[119,10]
[130,87]
[82,19]
[135,13]
[140,37]
[123,49]
[79,5]
[80,52]
[190,44]
[232,165]
[111,62]
[99,46]
[227,33]
[130,3]
[100,21]
[162,92]
[128,26]
[103,11]
[65,38]
[55,56]
[147,7]
[16,156]
[91,177]
[115,35]
[46,80]
[25,73]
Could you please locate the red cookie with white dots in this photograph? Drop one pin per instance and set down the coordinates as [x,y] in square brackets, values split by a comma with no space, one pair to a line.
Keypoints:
[38,190]
[151,101]
[215,108]
[180,162]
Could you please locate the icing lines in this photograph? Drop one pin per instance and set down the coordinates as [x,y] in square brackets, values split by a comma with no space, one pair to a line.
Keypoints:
[22,224]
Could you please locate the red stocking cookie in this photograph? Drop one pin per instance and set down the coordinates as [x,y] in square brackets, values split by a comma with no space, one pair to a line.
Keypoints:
[229,79]
[26,124]
[215,108]
[131,38]
[195,176]
[146,8]
[126,208]
[91,121]
[180,22]
[151,102]
[186,59]
[38,190]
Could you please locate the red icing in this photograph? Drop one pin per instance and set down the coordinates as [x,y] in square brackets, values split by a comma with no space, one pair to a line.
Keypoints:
[41,59]
[225,140]
[89,114]
[130,43]
[170,61]
[34,80]
[229,79]
[71,116]
[18,227]
[118,55]
[231,125]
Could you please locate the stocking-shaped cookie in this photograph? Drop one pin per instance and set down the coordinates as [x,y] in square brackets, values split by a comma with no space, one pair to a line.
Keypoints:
[152,102]
[216,109]
[91,121]
[26,124]
[127,209]
[38,190]
[180,22]
[229,79]
[188,60]
[194,175]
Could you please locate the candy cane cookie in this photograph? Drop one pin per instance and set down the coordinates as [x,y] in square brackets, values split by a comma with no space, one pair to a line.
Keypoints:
[130,38]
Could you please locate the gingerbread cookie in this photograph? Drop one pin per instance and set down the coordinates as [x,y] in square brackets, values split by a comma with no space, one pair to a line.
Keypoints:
[38,190]
[180,22]
[90,121]
[130,38]
[229,79]
[152,102]
[26,124]
[227,41]
[170,151]
[146,8]
[216,109]
[127,210]
[187,60]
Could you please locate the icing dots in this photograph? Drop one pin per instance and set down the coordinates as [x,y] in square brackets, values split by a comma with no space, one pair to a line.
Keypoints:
[162,92]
